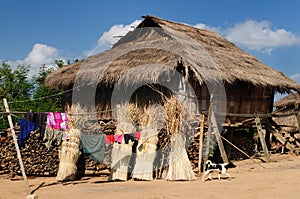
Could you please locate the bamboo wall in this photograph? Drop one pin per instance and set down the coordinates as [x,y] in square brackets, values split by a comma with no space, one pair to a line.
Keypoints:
[241,98]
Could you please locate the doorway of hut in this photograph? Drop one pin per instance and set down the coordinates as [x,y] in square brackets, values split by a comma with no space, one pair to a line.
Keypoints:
[144,97]
[150,94]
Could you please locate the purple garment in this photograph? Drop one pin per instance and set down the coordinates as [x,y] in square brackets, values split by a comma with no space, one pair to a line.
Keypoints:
[25,128]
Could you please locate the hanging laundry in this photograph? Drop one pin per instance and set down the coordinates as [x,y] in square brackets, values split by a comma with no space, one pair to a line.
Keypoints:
[57,120]
[93,145]
[119,138]
[39,118]
[109,139]
[52,136]
[128,137]
[25,128]
[137,135]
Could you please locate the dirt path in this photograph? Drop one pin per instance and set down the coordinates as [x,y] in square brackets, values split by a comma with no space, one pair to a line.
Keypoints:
[279,179]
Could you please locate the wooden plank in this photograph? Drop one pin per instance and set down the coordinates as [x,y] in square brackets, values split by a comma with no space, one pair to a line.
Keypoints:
[201,131]
[262,139]
[279,137]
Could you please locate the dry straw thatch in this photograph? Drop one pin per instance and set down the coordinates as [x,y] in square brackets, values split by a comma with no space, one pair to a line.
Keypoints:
[288,104]
[293,99]
[205,53]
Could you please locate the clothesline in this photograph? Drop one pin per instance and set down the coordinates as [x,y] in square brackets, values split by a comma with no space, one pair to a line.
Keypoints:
[45,97]
[73,114]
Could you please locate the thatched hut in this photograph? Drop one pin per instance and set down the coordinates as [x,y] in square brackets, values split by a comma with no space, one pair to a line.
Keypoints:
[289,107]
[161,58]
[157,48]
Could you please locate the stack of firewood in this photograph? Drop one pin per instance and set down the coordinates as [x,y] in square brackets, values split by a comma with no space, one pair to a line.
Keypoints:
[193,152]
[36,158]
[293,138]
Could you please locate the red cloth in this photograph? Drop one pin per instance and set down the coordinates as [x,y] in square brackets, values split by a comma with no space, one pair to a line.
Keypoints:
[137,135]
[109,139]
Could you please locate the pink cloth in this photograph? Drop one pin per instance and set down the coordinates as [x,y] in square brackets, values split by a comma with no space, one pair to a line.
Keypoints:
[57,120]
[119,138]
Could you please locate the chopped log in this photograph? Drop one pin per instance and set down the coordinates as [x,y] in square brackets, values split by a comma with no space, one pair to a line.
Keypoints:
[279,136]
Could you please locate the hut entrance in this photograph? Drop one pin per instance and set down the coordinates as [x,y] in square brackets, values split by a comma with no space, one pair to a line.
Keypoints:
[150,94]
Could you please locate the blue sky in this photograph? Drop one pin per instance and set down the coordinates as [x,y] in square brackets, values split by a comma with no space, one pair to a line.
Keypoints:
[38,32]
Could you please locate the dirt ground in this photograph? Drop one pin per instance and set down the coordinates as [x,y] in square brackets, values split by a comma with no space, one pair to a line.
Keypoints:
[279,179]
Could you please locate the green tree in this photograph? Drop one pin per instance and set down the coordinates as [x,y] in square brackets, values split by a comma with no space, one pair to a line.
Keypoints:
[24,94]
[49,99]
[14,86]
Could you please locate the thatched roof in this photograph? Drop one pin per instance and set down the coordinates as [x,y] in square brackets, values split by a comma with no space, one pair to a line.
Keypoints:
[291,99]
[161,45]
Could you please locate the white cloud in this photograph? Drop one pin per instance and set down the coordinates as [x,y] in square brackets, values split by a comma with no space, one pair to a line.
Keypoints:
[260,36]
[107,39]
[296,77]
[207,27]
[254,35]
[39,55]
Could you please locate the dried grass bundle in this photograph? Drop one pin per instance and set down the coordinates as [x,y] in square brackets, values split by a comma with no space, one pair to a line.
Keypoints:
[121,153]
[68,156]
[178,127]
[153,118]
[124,120]
[86,123]
[179,165]
[174,114]
[134,113]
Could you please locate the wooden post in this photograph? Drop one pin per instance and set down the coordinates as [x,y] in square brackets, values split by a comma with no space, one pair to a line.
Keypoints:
[201,131]
[218,137]
[16,145]
[297,115]
[207,144]
[229,148]
[262,139]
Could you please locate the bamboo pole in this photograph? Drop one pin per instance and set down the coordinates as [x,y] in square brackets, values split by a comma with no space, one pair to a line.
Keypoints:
[208,137]
[241,151]
[16,145]
[201,131]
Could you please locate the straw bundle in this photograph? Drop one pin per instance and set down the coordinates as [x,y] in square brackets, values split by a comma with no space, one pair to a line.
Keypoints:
[177,124]
[121,153]
[86,123]
[179,164]
[68,157]
[145,156]
[153,118]
[174,114]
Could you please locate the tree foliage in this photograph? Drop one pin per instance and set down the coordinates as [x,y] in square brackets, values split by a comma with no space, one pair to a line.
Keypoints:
[24,93]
